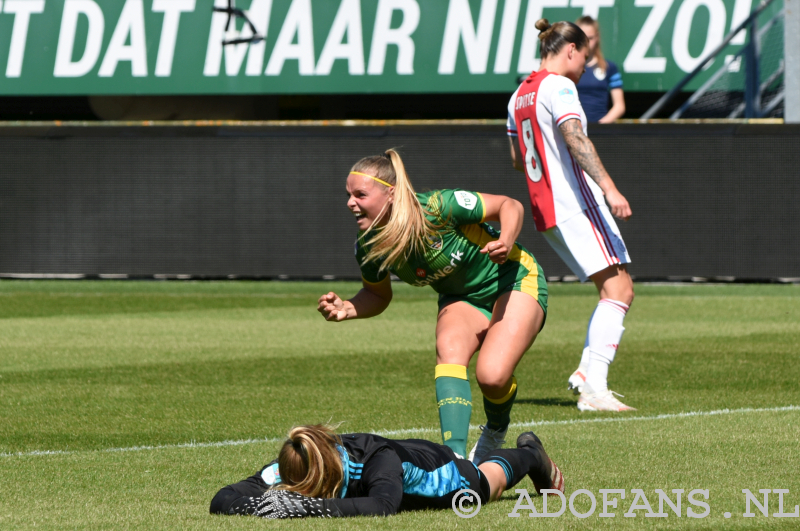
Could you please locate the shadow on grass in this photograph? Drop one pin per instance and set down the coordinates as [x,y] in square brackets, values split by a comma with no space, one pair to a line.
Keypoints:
[546,402]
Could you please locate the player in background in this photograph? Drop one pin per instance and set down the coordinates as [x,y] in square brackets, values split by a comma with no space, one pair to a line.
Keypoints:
[492,293]
[567,183]
[601,80]
[321,474]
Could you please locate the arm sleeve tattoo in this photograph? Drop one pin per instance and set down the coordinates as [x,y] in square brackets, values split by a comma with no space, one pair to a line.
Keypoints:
[583,150]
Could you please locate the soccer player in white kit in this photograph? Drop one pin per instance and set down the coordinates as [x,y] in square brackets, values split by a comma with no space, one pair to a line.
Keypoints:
[569,188]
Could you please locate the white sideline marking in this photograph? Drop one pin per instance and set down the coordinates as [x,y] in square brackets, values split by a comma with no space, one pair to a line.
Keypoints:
[533,423]
[409,431]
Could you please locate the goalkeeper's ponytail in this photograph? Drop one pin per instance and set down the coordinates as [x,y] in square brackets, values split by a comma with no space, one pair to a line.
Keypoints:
[309,462]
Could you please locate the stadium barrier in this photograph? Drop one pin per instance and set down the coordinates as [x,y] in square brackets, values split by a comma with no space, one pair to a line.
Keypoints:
[267,200]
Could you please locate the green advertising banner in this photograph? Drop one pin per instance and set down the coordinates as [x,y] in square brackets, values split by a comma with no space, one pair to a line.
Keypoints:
[96,47]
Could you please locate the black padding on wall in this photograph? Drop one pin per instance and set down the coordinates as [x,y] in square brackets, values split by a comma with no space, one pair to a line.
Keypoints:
[260,201]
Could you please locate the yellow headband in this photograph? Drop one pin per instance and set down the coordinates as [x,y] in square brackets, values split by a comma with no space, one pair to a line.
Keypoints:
[371,177]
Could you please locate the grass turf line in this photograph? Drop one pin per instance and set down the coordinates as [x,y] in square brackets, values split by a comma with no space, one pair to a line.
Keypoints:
[94,365]
[515,426]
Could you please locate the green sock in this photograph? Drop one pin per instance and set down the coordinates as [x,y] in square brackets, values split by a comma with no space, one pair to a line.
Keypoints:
[454,399]
[498,411]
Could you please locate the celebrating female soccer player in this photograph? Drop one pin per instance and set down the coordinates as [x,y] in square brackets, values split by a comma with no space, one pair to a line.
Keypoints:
[602,78]
[492,293]
[566,182]
[319,473]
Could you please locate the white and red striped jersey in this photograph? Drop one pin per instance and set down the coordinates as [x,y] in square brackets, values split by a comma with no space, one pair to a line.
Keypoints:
[558,187]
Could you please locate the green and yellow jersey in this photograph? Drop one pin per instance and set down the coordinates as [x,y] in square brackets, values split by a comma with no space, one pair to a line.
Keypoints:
[453,264]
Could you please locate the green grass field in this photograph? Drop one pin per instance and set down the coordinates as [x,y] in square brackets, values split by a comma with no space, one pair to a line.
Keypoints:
[127,405]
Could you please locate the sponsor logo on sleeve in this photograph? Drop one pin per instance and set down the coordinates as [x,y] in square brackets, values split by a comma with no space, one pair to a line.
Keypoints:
[466,200]
[567,95]
[271,475]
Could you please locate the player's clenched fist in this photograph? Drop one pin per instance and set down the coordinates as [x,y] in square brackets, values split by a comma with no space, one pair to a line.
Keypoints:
[332,307]
[497,250]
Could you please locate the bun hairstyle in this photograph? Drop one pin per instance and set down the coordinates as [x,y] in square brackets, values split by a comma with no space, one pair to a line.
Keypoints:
[408,229]
[552,38]
[543,25]
[309,462]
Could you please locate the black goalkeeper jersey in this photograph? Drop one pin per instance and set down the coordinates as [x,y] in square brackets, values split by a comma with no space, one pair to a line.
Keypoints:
[382,476]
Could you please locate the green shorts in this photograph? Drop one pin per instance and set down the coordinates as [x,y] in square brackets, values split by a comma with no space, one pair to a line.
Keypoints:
[534,284]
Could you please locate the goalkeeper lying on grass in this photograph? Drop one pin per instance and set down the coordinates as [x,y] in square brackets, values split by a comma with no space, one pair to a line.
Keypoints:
[319,473]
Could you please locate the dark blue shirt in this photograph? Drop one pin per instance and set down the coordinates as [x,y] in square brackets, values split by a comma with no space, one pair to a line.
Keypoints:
[594,88]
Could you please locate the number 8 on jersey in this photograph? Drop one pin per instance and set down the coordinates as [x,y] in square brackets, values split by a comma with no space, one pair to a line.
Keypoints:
[557,186]
[534,170]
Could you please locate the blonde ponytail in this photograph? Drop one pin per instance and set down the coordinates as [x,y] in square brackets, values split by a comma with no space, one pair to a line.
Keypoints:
[408,230]
[309,462]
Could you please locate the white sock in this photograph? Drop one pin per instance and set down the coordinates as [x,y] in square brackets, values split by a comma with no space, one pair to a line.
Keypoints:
[602,340]
[583,366]
[597,377]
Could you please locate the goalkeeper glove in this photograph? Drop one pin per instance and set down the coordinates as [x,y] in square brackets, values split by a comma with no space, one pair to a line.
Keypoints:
[287,504]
